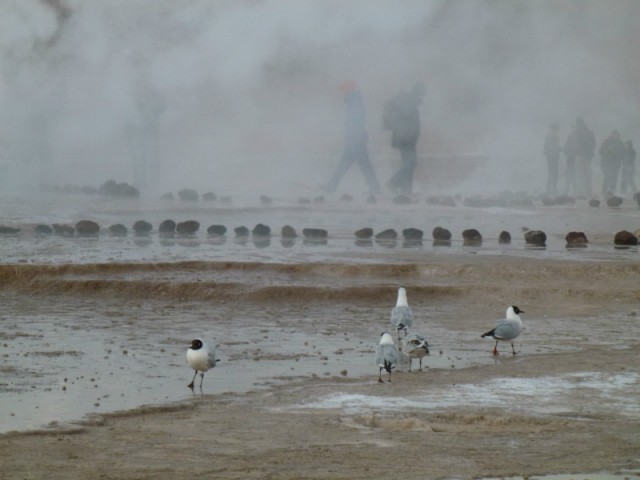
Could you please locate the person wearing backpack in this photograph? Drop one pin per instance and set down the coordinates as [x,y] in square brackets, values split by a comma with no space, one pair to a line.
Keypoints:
[401,116]
[355,141]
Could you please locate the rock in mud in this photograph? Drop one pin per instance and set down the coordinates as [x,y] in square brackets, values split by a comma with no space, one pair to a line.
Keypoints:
[64,230]
[43,229]
[209,197]
[142,227]
[167,226]
[504,237]
[388,234]
[576,239]
[241,231]
[87,228]
[315,233]
[614,201]
[118,230]
[217,230]
[625,237]
[288,232]
[535,237]
[261,230]
[6,230]
[412,234]
[441,234]
[364,233]
[471,236]
[189,227]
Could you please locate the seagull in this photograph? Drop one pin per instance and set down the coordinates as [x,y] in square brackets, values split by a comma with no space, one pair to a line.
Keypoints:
[401,314]
[201,357]
[415,346]
[386,355]
[506,329]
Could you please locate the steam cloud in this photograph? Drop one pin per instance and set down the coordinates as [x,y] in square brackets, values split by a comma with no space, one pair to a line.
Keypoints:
[247,89]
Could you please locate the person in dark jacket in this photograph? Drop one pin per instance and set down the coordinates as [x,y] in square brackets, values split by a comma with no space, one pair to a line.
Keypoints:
[405,131]
[585,147]
[552,150]
[570,152]
[628,168]
[355,141]
[612,151]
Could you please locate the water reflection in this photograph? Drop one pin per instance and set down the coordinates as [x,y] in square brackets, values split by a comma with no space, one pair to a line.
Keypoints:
[412,244]
[441,243]
[287,242]
[387,242]
[260,241]
[366,243]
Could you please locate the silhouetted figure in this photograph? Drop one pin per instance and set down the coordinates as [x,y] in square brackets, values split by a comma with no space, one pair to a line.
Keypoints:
[402,117]
[355,141]
[628,168]
[552,150]
[612,152]
[585,148]
[570,151]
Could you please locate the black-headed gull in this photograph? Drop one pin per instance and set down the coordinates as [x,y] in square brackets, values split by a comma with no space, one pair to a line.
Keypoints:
[201,357]
[506,329]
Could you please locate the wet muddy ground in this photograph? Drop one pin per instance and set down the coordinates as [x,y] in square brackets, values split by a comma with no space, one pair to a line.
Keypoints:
[92,331]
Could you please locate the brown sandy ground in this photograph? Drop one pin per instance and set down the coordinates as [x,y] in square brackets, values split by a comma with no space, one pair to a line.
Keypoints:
[261,435]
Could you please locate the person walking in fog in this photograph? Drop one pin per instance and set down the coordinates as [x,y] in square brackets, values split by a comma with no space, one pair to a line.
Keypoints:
[628,169]
[585,149]
[552,151]
[570,152]
[355,141]
[402,117]
[612,152]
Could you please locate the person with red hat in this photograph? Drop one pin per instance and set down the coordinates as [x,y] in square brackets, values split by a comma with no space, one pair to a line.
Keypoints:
[355,141]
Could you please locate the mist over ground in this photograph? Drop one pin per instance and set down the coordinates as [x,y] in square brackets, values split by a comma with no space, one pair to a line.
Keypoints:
[244,93]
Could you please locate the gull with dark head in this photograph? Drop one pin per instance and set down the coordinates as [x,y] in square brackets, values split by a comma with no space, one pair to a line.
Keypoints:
[386,355]
[201,357]
[415,346]
[401,314]
[506,329]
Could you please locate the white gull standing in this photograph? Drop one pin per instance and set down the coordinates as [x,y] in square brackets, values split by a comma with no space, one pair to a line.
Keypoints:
[386,355]
[415,346]
[201,357]
[506,329]
[401,314]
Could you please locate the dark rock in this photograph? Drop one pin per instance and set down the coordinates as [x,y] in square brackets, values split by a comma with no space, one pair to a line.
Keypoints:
[288,232]
[5,230]
[209,197]
[142,227]
[188,195]
[261,230]
[388,234]
[441,234]
[304,200]
[625,238]
[167,226]
[87,228]
[43,230]
[471,236]
[412,234]
[64,230]
[576,239]
[594,202]
[114,189]
[217,230]
[346,198]
[241,231]
[614,202]
[118,230]
[364,233]
[167,196]
[504,237]
[315,233]
[266,200]
[189,227]
[402,200]
[535,237]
